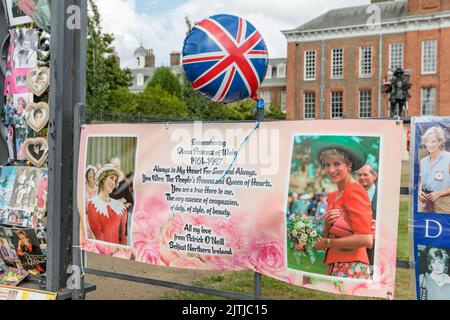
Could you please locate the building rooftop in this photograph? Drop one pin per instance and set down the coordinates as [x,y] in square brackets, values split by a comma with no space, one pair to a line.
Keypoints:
[354,16]
[274,81]
[141,51]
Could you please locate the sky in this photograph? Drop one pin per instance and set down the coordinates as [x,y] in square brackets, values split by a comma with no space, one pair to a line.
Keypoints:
[160,24]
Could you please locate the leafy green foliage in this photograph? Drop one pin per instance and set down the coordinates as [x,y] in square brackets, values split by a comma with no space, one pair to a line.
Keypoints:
[275,113]
[164,78]
[103,69]
[156,103]
[121,100]
[165,97]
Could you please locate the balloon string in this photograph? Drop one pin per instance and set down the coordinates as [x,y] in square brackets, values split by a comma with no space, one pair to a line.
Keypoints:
[237,153]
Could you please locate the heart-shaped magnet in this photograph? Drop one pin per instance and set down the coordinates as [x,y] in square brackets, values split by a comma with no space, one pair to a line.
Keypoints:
[38,80]
[37,115]
[36,150]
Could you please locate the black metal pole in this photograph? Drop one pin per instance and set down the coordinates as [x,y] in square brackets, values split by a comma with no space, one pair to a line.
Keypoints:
[257,285]
[68,80]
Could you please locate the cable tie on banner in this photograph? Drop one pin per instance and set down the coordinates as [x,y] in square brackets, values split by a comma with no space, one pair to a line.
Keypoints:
[167,126]
[81,260]
[399,121]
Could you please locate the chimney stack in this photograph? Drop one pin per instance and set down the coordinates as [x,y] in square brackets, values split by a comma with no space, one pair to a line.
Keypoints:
[150,59]
[175,58]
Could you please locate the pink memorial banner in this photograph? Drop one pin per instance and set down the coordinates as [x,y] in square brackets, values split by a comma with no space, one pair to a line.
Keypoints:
[194,196]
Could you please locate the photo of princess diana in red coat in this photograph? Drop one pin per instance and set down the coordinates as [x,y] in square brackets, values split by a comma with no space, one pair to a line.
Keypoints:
[107,217]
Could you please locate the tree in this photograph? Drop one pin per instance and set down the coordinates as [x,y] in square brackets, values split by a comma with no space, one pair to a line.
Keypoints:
[275,113]
[121,100]
[103,70]
[164,78]
[156,103]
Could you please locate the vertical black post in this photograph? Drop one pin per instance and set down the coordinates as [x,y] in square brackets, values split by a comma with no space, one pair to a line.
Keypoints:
[257,285]
[68,80]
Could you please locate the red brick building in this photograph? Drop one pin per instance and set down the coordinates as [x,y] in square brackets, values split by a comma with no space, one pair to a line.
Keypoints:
[337,62]
[273,89]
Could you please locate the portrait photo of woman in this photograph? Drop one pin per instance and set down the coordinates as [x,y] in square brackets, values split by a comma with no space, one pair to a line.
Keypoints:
[434,280]
[434,177]
[108,189]
[29,251]
[341,209]
[91,187]
[347,231]
[107,217]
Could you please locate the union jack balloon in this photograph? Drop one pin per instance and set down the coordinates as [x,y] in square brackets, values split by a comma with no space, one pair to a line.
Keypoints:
[225,58]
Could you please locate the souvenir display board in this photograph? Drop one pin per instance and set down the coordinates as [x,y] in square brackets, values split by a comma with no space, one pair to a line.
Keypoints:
[187,196]
[24,122]
[8,293]
[430,207]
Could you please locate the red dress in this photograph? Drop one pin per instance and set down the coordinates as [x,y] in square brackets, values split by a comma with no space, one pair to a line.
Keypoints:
[108,221]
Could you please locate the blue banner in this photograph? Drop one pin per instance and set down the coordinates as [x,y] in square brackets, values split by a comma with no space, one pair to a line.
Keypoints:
[430,207]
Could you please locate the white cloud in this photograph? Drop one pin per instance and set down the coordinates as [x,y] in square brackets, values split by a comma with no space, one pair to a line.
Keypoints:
[166,33]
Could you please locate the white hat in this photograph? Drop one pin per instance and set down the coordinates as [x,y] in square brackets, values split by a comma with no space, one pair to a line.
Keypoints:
[108,167]
[90,167]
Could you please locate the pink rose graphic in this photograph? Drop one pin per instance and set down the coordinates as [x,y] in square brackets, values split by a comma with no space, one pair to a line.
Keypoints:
[152,205]
[89,246]
[149,215]
[143,222]
[267,256]
[172,227]
[384,286]
[230,232]
[147,252]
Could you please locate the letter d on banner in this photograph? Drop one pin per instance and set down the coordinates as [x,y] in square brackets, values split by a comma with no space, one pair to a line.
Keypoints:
[427,227]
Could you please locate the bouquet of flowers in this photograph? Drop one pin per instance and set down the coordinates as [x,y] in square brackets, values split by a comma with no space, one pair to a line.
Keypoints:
[303,234]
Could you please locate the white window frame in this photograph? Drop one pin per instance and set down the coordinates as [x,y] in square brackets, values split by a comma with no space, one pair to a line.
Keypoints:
[283,97]
[309,67]
[269,72]
[368,107]
[141,62]
[363,63]
[333,61]
[395,49]
[429,59]
[140,80]
[331,104]
[432,100]
[281,71]
[305,114]
[264,96]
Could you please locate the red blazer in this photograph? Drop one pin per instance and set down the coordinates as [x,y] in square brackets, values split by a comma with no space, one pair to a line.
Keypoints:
[108,221]
[356,204]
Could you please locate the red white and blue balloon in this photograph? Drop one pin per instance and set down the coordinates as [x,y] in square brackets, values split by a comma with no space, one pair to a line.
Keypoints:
[225,58]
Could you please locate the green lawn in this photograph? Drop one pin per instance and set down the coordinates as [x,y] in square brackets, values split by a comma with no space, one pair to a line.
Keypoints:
[242,281]
[305,262]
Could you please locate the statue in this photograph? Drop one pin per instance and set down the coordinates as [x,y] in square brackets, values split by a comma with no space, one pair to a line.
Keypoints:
[398,90]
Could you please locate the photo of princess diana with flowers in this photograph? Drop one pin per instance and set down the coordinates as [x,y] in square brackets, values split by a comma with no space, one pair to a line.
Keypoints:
[330,222]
